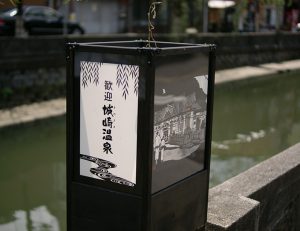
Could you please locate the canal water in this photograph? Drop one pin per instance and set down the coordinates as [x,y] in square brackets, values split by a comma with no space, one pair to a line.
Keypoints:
[252,121]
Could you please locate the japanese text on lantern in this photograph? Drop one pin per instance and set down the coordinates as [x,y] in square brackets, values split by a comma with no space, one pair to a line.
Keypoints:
[108,121]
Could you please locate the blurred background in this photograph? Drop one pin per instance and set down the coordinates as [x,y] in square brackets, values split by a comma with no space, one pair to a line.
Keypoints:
[176,16]
[253,119]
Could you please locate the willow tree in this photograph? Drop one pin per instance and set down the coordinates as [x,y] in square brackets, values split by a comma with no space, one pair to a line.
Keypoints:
[183,14]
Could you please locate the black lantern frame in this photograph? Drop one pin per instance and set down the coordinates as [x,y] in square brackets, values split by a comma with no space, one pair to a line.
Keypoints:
[94,204]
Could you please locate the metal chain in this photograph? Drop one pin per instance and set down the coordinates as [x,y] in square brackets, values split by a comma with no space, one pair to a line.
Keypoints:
[151,15]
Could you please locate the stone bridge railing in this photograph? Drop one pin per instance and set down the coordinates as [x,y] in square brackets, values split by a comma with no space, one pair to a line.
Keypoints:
[265,197]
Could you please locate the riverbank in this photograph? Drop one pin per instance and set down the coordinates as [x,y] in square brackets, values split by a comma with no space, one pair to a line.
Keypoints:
[57,107]
[253,72]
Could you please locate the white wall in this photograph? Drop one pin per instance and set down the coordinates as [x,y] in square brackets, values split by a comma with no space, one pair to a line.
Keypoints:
[98,16]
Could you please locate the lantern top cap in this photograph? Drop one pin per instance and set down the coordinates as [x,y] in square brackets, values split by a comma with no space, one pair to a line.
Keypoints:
[142,46]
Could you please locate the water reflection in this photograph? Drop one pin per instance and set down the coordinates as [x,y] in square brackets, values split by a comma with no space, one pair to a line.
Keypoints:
[32,177]
[37,219]
[252,122]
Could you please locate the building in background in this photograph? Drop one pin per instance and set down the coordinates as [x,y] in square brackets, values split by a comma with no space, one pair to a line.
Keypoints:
[270,17]
[291,19]
[253,15]
[106,16]
[177,16]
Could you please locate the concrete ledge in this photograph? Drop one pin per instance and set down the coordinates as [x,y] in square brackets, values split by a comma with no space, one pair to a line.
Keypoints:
[250,72]
[265,197]
[241,212]
[32,112]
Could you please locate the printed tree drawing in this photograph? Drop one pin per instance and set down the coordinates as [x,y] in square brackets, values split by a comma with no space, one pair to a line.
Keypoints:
[90,73]
[124,72]
[135,77]
[122,78]
[127,75]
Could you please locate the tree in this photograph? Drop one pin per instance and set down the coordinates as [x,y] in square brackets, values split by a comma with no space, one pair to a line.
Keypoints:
[19,26]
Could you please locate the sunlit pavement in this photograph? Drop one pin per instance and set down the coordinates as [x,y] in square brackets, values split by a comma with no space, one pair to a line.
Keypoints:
[246,72]
[32,112]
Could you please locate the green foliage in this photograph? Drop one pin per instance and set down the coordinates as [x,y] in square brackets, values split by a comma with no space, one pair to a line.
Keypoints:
[179,11]
[271,2]
[180,14]
[275,2]
[6,92]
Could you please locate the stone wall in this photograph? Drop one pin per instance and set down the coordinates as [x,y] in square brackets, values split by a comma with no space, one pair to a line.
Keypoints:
[235,50]
[32,69]
[27,86]
[232,49]
[265,197]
